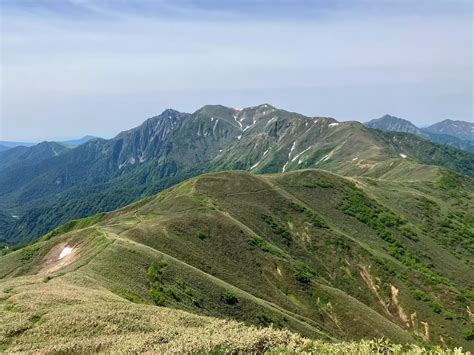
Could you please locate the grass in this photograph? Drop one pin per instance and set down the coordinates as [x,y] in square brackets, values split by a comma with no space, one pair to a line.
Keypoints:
[224,254]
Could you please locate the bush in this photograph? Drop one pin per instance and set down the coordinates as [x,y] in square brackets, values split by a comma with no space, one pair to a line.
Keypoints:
[201,235]
[304,274]
[469,334]
[157,295]
[229,298]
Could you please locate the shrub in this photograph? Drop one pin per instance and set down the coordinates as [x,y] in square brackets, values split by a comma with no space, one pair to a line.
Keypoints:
[229,298]
[469,334]
[304,274]
[157,295]
[201,235]
[278,229]
[28,252]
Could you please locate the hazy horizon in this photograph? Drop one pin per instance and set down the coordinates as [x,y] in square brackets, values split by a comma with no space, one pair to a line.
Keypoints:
[85,67]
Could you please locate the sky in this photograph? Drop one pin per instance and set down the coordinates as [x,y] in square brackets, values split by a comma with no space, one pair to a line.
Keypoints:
[76,67]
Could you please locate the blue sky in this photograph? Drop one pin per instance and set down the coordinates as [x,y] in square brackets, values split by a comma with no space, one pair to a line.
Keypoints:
[70,68]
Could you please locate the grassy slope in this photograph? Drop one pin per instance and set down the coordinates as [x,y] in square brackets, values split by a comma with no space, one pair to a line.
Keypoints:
[323,256]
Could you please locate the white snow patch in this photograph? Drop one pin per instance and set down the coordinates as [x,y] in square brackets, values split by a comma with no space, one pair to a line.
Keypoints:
[238,137]
[291,149]
[299,154]
[265,152]
[141,158]
[289,157]
[333,124]
[212,119]
[326,157]
[65,252]
[236,120]
[403,155]
[306,124]
[15,216]
[355,158]
[255,165]
[215,125]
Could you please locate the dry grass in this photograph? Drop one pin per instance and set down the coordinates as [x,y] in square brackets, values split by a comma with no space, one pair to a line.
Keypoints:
[57,316]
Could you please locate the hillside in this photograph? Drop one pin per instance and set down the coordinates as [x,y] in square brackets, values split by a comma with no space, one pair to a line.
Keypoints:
[102,175]
[324,256]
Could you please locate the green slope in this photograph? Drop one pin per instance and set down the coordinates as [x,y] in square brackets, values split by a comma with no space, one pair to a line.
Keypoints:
[327,257]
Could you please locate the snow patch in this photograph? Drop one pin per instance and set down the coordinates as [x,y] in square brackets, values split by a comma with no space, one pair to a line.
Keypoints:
[355,158]
[299,154]
[15,216]
[333,124]
[255,165]
[403,155]
[238,122]
[238,137]
[212,119]
[289,157]
[65,252]
[265,152]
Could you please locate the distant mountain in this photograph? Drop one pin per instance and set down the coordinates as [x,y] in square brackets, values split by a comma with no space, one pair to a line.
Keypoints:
[79,141]
[102,175]
[72,142]
[389,123]
[3,148]
[10,144]
[24,156]
[460,129]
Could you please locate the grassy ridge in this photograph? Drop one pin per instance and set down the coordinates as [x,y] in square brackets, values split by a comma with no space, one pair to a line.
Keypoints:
[324,256]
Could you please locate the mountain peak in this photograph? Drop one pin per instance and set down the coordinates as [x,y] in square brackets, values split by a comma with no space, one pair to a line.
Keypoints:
[459,129]
[388,123]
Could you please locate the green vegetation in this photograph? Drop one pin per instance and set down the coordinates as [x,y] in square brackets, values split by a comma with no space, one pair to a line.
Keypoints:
[156,291]
[229,298]
[278,229]
[224,253]
[304,274]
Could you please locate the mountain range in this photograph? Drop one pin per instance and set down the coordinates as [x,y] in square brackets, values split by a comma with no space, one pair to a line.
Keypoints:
[457,134]
[196,232]
[45,185]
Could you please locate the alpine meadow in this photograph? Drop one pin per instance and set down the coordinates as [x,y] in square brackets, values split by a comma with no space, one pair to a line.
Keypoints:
[272,228]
